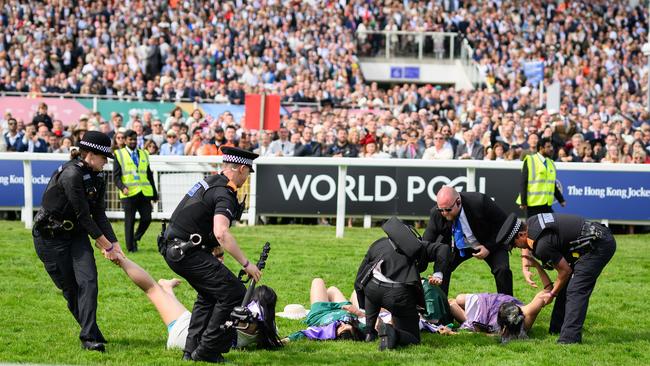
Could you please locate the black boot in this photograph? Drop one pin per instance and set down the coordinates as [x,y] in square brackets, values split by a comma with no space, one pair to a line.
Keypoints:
[216,358]
[387,336]
[371,336]
[93,346]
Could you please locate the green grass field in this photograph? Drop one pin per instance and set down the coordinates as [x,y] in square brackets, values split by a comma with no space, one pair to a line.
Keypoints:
[37,328]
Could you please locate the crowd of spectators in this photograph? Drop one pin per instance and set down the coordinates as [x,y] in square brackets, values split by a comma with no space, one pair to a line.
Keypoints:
[306,51]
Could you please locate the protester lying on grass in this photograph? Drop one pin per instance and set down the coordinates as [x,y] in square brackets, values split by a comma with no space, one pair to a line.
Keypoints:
[331,316]
[500,313]
[260,334]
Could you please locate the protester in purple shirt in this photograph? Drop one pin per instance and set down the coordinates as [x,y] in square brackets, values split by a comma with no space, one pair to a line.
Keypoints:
[499,313]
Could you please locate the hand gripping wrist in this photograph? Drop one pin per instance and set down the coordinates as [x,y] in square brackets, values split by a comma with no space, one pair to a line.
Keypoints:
[246,264]
[111,248]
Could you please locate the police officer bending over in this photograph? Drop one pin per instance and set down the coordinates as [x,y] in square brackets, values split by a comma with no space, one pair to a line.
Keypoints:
[389,277]
[201,222]
[72,209]
[577,249]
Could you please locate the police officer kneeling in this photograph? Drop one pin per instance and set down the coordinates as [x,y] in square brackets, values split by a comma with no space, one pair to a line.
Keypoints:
[201,222]
[577,249]
[72,209]
[389,277]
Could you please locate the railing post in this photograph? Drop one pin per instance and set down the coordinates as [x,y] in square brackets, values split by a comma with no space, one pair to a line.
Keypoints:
[471,179]
[156,178]
[451,46]
[387,40]
[340,201]
[420,45]
[252,196]
[95,104]
[28,208]
[367,221]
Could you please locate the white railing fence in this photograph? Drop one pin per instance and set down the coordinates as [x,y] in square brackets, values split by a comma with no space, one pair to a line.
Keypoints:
[176,174]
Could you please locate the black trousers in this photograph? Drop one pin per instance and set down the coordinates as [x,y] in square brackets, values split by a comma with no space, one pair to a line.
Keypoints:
[499,265]
[70,263]
[534,210]
[401,302]
[219,291]
[141,204]
[570,308]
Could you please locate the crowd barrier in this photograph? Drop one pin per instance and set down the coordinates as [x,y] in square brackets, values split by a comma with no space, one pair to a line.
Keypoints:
[352,187]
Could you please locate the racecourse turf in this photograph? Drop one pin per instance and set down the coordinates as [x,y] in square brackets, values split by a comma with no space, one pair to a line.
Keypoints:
[36,327]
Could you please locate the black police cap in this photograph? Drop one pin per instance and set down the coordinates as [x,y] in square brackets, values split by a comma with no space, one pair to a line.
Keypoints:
[236,155]
[509,230]
[97,142]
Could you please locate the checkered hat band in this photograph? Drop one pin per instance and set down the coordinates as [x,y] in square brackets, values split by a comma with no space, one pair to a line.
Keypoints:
[102,148]
[237,160]
[515,230]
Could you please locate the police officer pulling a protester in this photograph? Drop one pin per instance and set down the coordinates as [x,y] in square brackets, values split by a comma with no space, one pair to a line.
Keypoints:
[73,208]
[389,277]
[577,249]
[199,224]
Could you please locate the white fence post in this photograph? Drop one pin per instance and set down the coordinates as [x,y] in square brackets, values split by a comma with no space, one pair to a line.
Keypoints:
[28,209]
[252,196]
[471,179]
[340,201]
[367,221]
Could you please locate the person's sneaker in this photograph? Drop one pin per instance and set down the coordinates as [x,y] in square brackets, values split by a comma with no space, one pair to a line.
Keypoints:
[93,346]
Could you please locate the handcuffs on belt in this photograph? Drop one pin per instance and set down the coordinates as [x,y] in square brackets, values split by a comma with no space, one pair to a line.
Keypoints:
[46,223]
[177,251]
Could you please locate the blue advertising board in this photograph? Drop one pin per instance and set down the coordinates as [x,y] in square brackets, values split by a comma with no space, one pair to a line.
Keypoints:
[406,72]
[606,195]
[12,189]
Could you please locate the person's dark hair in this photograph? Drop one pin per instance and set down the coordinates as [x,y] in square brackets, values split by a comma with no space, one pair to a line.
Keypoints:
[511,322]
[543,141]
[78,153]
[231,127]
[130,134]
[352,334]
[267,332]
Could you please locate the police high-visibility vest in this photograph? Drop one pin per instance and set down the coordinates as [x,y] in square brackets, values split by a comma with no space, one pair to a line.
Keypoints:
[541,181]
[134,177]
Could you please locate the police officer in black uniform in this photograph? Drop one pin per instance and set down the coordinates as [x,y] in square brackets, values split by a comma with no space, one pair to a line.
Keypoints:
[201,222]
[577,249]
[389,277]
[72,209]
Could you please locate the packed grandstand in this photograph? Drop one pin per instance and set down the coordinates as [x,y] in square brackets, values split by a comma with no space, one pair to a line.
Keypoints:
[307,52]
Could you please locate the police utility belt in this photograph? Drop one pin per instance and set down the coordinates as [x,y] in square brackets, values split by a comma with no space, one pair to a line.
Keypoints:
[589,234]
[176,249]
[45,224]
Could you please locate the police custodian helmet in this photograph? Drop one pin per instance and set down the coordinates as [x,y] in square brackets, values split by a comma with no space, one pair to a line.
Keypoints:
[509,230]
[238,156]
[97,142]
